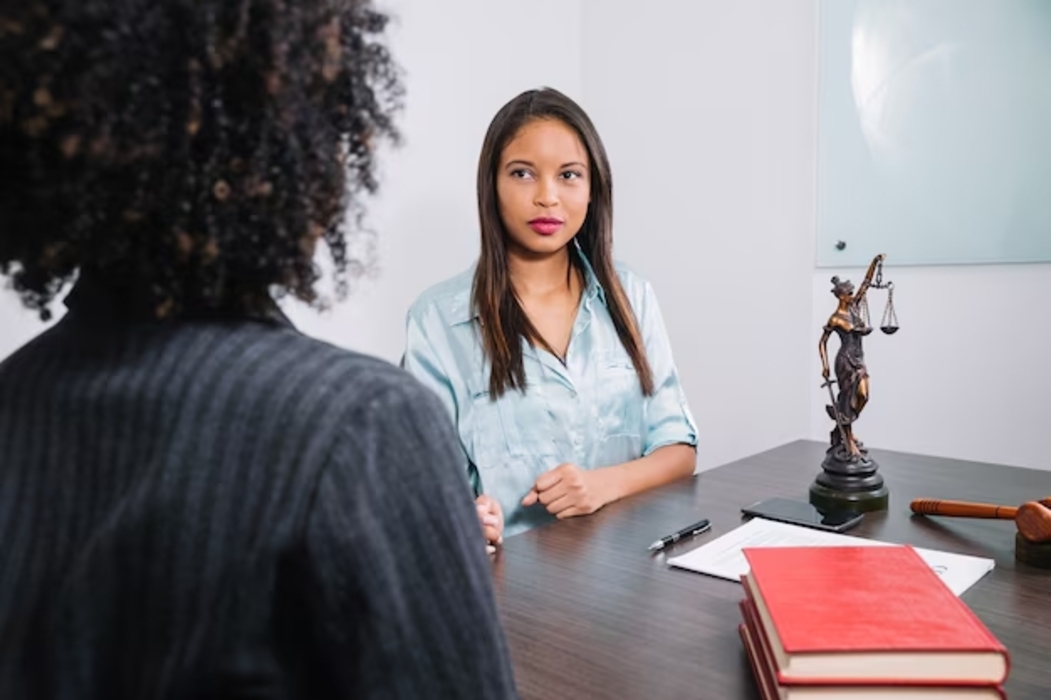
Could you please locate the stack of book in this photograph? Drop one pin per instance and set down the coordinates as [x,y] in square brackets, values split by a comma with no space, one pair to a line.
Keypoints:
[872,623]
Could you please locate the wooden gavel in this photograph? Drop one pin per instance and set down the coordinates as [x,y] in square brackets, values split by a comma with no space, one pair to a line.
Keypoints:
[1033,518]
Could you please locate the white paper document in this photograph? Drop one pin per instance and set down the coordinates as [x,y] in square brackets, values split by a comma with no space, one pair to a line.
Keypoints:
[723,557]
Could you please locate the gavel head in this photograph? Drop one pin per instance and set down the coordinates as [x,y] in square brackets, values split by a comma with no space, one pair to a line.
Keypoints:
[1033,520]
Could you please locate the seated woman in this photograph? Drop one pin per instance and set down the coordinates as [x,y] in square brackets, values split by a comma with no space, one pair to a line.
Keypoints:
[552,360]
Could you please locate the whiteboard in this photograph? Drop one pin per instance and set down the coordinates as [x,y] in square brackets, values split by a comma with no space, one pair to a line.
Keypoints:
[934,131]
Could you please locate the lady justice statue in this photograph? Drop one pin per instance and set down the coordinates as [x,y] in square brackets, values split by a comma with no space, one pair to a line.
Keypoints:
[849,478]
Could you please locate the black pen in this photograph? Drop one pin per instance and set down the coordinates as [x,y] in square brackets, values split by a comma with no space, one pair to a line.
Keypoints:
[695,529]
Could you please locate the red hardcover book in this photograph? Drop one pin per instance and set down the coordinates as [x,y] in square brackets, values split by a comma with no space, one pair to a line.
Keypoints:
[762,662]
[867,615]
[763,679]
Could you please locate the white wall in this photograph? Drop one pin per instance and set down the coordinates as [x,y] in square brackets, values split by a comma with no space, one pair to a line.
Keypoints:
[17,323]
[708,112]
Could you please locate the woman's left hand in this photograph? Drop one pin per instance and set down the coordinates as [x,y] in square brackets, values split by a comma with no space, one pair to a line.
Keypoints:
[567,491]
[491,517]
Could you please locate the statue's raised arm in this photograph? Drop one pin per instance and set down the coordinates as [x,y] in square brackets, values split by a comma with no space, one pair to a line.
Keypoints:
[876,264]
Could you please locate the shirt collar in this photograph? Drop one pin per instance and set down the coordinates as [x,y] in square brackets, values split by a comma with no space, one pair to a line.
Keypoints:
[463,311]
[592,288]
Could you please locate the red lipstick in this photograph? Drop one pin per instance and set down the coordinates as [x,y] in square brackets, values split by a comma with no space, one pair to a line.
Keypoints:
[546,225]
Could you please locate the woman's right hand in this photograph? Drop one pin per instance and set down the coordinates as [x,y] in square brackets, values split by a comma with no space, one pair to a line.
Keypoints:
[825,373]
[491,517]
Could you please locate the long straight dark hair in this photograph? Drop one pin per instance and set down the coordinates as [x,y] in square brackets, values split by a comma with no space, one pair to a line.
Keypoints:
[503,322]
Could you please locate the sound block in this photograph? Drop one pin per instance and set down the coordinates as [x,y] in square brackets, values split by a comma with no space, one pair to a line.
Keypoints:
[1031,553]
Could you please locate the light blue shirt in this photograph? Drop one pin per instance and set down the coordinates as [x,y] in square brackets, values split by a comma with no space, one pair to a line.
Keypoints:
[590,412]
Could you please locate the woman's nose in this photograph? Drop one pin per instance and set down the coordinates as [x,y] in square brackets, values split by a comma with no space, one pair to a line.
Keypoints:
[546,194]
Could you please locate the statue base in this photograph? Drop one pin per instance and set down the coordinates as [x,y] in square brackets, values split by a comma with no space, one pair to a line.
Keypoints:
[848,482]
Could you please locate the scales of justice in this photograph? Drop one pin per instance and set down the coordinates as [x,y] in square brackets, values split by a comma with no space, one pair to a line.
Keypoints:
[849,479]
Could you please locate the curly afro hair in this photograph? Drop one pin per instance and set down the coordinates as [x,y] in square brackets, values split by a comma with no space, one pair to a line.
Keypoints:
[191,151]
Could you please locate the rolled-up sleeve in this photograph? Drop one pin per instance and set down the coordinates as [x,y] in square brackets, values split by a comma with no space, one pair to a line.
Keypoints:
[668,417]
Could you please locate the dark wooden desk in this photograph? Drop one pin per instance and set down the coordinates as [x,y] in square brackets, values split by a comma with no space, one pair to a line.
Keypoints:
[590,614]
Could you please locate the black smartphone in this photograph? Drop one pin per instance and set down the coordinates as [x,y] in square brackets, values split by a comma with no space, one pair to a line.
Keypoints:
[801,513]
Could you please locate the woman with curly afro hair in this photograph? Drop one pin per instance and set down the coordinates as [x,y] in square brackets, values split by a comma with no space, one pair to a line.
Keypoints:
[196,500]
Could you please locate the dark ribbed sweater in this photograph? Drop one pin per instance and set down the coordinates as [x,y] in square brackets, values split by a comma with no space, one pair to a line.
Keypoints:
[226,508]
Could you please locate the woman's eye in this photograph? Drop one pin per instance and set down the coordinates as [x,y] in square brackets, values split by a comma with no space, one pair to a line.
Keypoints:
[571,175]
[520,173]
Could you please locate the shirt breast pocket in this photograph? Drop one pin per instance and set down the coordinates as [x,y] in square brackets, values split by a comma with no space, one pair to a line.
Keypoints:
[483,429]
[515,431]
[619,401]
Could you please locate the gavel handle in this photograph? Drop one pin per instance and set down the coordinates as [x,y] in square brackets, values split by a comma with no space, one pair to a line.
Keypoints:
[962,509]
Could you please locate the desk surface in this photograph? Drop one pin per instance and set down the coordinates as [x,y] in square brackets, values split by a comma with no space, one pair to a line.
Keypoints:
[590,614]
